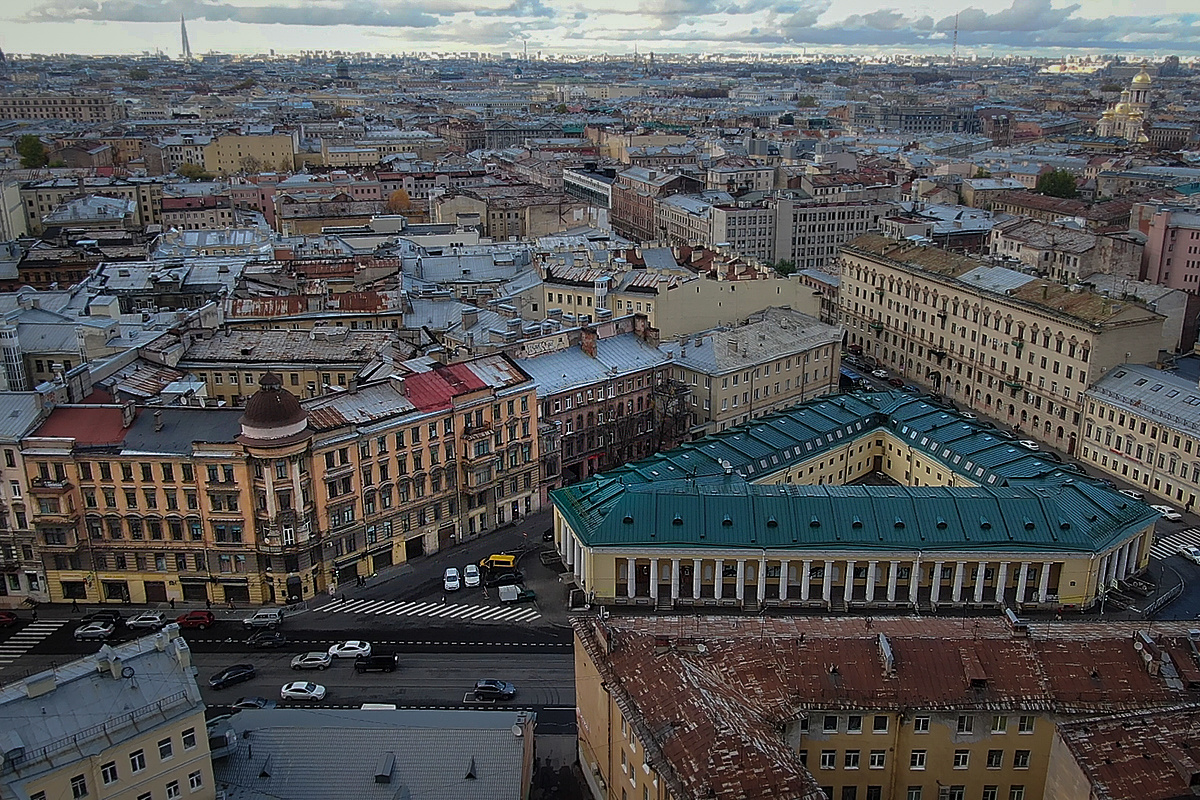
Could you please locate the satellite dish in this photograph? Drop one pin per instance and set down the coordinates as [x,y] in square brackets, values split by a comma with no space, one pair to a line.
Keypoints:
[518,731]
[127,672]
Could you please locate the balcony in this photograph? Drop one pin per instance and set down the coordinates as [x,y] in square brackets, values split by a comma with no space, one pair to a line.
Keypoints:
[1014,383]
[876,326]
[938,354]
[48,486]
[472,432]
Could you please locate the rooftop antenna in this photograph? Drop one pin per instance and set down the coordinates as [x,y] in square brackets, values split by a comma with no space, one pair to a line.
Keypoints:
[954,50]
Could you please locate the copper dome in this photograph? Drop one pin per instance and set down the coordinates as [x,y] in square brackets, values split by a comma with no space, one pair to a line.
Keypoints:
[272,406]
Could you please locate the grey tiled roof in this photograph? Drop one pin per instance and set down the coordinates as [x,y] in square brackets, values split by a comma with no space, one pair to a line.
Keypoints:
[566,369]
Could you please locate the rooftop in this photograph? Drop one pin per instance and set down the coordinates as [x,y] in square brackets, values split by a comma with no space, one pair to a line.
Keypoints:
[777,333]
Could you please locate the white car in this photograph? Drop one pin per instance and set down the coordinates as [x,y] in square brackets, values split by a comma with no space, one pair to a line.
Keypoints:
[879,373]
[471,576]
[1168,513]
[1029,444]
[350,649]
[1191,553]
[302,690]
[149,619]
[1132,494]
[95,630]
[451,581]
[314,660]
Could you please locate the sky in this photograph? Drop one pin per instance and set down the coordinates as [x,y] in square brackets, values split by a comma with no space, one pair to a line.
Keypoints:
[867,27]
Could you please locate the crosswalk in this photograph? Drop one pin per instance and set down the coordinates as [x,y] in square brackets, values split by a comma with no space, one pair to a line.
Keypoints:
[462,613]
[1169,545]
[23,640]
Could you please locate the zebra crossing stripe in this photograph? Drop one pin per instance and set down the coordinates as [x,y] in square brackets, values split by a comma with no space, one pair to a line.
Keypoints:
[403,608]
[432,610]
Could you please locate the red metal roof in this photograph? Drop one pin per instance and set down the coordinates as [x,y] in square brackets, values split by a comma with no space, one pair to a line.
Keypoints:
[436,389]
[89,427]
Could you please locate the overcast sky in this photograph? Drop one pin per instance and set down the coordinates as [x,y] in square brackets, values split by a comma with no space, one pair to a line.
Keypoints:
[1044,27]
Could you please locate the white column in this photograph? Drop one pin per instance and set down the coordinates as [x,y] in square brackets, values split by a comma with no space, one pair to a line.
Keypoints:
[848,588]
[784,565]
[914,582]
[569,549]
[654,579]
[959,568]
[696,578]
[935,591]
[631,568]
[980,577]
[1001,581]
[1022,582]
[893,569]
[1114,560]
[577,546]
[827,587]
[1044,583]
[1123,564]
[871,567]
[739,588]
[805,578]
[719,579]
[674,579]
[762,579]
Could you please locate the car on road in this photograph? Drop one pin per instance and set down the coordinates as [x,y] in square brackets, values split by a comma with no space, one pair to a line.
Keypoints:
[897,382]
[302,690]
[548,535]
[267,640]
[105,616]
[1133,494]
[317,659]
[908,387]
[516,594]
[7,618]
[1168,513]
[152,620]
[879,373]
[95,630]
[201,620]
[377,662]
[1029,444]
[492,689]
[505,578]
[499,562]
[351,649]
[253,702]
[968,415]
[471,576]
[231,675]
[269,618]
[1191,553]
[451,581]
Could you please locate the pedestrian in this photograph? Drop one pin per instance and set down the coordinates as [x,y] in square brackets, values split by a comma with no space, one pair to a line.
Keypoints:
[443,598]
[172,603]
[35,613]
[208,603]
[74,606]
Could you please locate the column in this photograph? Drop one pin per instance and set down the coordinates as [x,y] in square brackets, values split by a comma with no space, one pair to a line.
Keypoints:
[935,591]
[848,588]
[631,571]
[783,579]
[1123,562]
[871,567]
[569,550]
[1022,582]
[268,475]
[1044,583]
[980,577]
[914,582]
[893,570]
[577,547]
[1114,559]
[959,568]
[719,579]
[1001,581]
[762,579]
[695,578]
[674,579]
[805,578]
[739,588]
[827,586]
[654,579]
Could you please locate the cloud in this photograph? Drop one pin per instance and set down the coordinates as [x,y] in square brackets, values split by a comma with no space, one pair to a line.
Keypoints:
[1022,15]
[331,12]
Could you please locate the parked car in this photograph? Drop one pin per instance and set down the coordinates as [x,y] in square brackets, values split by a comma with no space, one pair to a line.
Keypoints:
[203,620]
[253,702]
[897,382]
[471,576]
[505,578]
[450,581]
[879,373]
[1029,444]
[968,415]
[1133,494]
[548,535]
[1191,553]
[910,389]
[351,649]
[492,689]
[95,630]
[7,618]
[516,594]
[377,662]
[317,659]
[266,618]
[231,675]
[302,690]
[105,615]
[499,562]
[1003,434]
[267,640]
[1168,513]
[152,620]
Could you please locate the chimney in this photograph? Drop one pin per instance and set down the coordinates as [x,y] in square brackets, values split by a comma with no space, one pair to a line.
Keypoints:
[158,423]
[128,414]
[588,343]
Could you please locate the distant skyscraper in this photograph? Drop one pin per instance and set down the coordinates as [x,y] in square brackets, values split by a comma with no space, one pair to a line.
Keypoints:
[187,48]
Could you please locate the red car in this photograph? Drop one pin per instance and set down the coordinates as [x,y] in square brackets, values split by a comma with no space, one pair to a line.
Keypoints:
[7,618]
[196,619]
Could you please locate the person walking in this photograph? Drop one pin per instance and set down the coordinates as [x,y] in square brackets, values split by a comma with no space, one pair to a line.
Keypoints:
[35,613]
[208,603]
[172,603]
[74,606]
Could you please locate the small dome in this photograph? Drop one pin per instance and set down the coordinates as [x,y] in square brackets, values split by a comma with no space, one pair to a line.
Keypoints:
[1122,108]
[273,412]
[1142,78]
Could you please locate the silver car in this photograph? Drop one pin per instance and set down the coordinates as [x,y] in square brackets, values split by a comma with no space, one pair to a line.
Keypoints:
[149,619]
[315,660]
[95,630]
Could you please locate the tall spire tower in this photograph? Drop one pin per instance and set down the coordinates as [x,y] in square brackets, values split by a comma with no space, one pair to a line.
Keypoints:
[187,48]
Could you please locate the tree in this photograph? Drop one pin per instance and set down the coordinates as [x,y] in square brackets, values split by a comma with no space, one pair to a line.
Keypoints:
[32,152]
[843,80]
[1110,87]
[561,108]
[398,202]
[1057,183]
[193,172]
[139,74]
[251,165]
[982,173]
[787,119]
[784,267]
[806,101]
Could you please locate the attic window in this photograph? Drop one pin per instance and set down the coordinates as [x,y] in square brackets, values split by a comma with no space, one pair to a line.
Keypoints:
[814,523]
[857,523]
[984,524]
[727,522]
[1029,525]
[941,524]
[772,522]
[1063,525]
[899,523]
[677,521]
[628,520]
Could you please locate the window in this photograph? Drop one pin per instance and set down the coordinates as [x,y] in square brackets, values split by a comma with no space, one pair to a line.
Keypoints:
[921,724]
[880,725]
[108,773]
[831,724]
[79,786]
[165,750]
[1016,793]
[854,723]
[966,723]
[173,792]
[851,761]
[999,724]
[991,792]
[995,759]
[828,759]
[916,759]
[962,759]
[137,761]
[914,793]
[195,780]
[1021,759]
[877,759]
[1025,723]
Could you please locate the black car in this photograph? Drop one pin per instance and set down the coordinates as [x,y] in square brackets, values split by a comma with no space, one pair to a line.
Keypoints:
[548,535]
[105,616]
[231,675]
[492,689]
[376,662]
[507,578]
[253,702]
[267,640]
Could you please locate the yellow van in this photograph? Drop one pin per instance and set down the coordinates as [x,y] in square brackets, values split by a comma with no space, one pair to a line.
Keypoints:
[499,561]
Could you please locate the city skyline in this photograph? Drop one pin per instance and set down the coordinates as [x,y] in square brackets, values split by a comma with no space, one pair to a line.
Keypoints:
[770,27]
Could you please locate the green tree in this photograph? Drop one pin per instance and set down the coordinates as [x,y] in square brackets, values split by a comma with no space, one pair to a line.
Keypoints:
[1057,183]
[1111,87]
[806,101]
[398,202]
[139,74]
[787,119]
[784,267]
[561,108]
[32,152]
[193,172]
[843,80]
[982,173]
